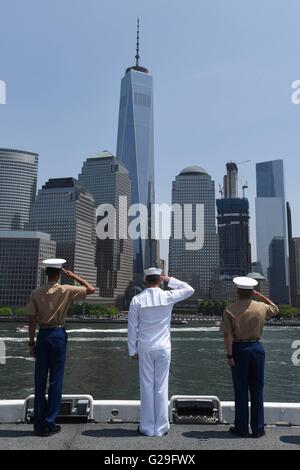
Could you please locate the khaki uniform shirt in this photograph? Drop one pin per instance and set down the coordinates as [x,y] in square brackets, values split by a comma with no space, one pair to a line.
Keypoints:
[49,305]
[245,319]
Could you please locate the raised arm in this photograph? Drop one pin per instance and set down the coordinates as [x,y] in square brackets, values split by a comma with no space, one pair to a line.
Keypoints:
[180,290]
[133,323]
[89,288]
[272,308]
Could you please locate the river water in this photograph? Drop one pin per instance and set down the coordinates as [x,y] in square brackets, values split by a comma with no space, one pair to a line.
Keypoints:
[98,364]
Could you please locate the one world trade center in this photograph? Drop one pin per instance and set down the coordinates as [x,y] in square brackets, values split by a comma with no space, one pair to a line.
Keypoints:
[135,148]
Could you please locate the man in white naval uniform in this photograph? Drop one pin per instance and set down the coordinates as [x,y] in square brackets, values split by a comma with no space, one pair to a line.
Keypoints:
[149,321]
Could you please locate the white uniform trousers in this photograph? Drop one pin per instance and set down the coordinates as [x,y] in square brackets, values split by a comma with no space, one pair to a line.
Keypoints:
[154,369]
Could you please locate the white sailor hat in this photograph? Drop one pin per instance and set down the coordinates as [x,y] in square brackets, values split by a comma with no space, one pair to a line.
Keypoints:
[54,263]
[245,283]
[152,272]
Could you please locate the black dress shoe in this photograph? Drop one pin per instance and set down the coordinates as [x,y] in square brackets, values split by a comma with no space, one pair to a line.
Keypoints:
[257,435]
[235,432]
[46,432]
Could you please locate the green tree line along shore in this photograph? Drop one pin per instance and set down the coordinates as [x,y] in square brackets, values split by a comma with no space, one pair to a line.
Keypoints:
[210,307]
[76,309]
[205,308]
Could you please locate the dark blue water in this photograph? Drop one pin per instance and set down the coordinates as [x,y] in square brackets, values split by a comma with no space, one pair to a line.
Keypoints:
[98,363]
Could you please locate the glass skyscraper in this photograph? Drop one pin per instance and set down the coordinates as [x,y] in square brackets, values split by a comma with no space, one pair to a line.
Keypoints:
[66,211]
[18,180]
[271,228]
[295,297]
[270,179]
[197,267]
[21,256]
[135,148]
[294,261]
[107,179]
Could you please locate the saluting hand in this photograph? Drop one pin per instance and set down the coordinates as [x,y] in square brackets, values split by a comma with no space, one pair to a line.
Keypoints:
[164,278]
[68,273]
[262,297]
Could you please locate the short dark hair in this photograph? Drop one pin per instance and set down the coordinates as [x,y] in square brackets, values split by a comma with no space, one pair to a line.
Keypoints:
[52,271]
[153,279]
[245,293]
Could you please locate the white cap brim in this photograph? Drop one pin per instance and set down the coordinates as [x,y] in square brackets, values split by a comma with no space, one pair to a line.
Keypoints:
[245,283]
[54,263]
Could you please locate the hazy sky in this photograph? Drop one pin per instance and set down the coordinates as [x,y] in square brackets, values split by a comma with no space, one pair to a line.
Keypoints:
[222,83]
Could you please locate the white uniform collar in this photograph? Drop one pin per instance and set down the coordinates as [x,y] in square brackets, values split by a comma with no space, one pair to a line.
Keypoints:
[152,297]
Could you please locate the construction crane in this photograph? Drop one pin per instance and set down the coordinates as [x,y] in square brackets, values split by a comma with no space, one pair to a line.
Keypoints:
[245,184]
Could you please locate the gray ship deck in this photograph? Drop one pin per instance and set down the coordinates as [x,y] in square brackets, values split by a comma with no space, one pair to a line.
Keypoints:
[116,437]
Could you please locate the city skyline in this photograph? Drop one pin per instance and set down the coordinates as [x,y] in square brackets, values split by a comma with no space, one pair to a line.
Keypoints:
[149,227]
[263,131]
[190,187]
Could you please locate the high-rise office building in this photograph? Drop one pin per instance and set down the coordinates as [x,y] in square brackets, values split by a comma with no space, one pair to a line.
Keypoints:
[271,228]
[21,256]
[276,271]
[198,267]
[294,262]
[66,211]
[234,239]
[233,228]
[107,179]
[295,297]
[18,180]
[135,148]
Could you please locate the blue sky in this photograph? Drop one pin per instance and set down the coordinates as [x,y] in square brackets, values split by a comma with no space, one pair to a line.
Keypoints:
[222,82]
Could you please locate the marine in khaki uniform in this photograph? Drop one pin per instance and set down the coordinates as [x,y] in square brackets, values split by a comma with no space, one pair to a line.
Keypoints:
[48,307]
[242,326]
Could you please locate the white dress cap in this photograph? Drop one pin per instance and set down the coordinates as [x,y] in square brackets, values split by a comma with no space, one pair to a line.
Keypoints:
[245,283]
[152,272]
[54,263]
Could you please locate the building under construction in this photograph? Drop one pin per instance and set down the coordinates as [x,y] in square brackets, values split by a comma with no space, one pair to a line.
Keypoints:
[233,227]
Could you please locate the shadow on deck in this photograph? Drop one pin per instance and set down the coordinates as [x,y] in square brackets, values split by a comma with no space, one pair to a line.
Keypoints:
[125,437]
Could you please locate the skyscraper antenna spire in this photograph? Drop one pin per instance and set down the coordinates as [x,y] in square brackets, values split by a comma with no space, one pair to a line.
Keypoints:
[137,57]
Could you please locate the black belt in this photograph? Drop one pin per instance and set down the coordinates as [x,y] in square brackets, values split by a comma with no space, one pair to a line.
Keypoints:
[44,327]
[247,340]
